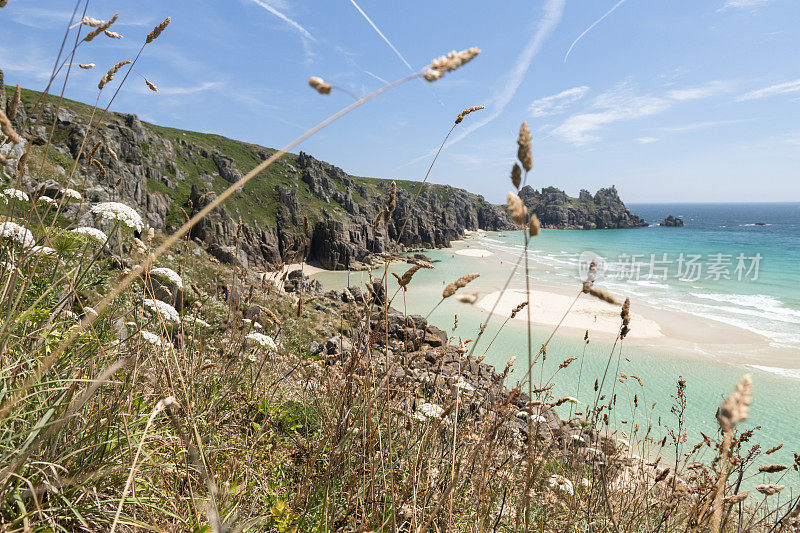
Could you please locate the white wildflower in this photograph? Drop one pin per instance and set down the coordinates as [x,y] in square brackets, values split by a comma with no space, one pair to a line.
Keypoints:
[15,232]
[428,410]
[43,250]
[118,212]
[163,309]
[14,193]
[258,325]
[46,199]
[624,442]
[571,399]
[152,338]
[539,419]
[168,274]
[92,232]
[193,320]
[71,194]
[90,311]
[561,483]
[577,438]
[265,341]
[585,483]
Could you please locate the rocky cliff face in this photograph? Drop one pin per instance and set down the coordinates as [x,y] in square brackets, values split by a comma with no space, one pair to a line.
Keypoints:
[604,210]
[164,172]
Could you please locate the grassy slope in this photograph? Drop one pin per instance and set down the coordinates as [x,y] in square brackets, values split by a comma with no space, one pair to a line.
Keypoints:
[258,203]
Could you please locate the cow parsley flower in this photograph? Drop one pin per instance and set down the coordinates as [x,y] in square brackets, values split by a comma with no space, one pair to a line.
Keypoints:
[118,212]
[265,341]
[14,193]
[92,232]
[427,410]
[46,199]
[15,232]
[151,338]
[163,309]
[561,483]
[168,274]
[71,194]
[42,250]
[193,320]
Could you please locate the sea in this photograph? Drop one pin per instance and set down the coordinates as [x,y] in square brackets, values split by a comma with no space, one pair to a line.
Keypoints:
[731,263]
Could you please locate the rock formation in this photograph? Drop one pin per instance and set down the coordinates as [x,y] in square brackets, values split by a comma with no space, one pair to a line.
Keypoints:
[672,222]
[604,210]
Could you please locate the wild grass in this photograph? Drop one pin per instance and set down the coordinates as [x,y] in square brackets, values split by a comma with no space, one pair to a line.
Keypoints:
[145,386]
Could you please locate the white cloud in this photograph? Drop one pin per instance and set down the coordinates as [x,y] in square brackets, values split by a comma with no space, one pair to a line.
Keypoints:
[742,4]
[647,140]
[557,103]
[703,91]
[620,103]
[699,125]
[304,32]
[190,89]
[773,90]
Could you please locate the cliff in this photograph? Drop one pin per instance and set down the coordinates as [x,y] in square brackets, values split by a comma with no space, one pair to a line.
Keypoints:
[604,210]
[159,171]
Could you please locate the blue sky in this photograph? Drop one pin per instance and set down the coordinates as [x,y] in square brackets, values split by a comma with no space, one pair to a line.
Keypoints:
[671,100]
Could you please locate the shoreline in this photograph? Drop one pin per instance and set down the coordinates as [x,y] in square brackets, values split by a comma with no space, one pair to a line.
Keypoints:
[652,328]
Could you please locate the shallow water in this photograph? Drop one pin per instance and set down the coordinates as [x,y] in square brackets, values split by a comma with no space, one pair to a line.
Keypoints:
[765,304]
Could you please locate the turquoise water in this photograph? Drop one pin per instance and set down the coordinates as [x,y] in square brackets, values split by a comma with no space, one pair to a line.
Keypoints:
[758,293]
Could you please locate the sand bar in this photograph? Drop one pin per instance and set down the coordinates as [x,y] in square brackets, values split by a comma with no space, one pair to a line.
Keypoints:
[473,252]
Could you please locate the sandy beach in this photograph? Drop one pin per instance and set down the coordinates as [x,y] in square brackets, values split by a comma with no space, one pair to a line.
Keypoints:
[548,308]
[473,252]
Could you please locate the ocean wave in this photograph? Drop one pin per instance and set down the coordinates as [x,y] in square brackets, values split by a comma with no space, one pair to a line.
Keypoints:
[771,306]
[649,283]
[793,373]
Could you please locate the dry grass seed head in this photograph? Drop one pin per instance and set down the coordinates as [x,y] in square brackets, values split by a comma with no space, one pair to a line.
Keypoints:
[153,35]
[101,28]
[92,22]
[518,308]
[94,149]
[468,298]
[602,295]
[112,153]
[736,407]
[467,111]
[86,66]
[770,489]
[450,62]
[112,34]
[100,168]
[458,284]
[771,469]
[13,105]
[151,86]
[516,208]
[736,498]
[516,176]
[405,279]
[626,318]
[534,226]
[773,449]
[8,129]
[110,74]
[524,153]
[319,85]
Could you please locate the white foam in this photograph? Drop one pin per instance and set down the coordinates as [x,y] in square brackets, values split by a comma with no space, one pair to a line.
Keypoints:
[793,373]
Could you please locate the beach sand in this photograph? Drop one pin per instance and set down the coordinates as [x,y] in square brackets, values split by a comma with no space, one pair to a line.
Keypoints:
[474,252]
[548,308]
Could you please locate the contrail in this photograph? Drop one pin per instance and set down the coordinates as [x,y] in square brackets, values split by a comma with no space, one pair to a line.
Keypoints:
[595,23]
[553,11]
[374,27]
[304,32]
